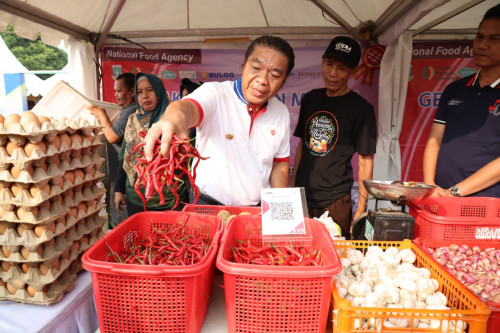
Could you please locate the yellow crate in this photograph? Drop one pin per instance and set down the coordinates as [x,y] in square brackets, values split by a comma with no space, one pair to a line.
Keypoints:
[464,305]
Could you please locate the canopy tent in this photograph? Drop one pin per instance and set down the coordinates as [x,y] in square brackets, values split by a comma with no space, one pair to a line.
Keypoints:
[87,26]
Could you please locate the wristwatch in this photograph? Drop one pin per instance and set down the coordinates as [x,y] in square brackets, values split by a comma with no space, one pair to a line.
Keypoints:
[454,190]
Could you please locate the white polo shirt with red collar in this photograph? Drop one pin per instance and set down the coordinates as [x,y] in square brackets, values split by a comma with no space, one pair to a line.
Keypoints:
[241,144]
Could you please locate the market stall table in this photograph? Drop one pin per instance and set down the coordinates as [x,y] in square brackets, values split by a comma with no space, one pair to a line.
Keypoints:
[75,313]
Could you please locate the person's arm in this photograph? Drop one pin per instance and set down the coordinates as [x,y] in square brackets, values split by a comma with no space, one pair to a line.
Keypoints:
[365,172]
[279,174]
[430,157]
[298,156]
[483,178]
[177,119]
[107,129]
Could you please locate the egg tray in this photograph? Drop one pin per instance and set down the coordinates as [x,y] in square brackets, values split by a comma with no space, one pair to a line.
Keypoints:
[54,293]
[45,215]
[34,277]
[19,134]
[12,240]
[24,198]
[21,160]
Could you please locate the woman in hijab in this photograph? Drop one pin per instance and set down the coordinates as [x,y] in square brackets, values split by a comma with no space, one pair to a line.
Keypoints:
[152,100]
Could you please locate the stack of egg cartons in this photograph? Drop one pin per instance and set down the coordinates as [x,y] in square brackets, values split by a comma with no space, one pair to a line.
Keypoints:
[50,199]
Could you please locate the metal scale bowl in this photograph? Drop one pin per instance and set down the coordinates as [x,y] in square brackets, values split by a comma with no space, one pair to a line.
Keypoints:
[389,224]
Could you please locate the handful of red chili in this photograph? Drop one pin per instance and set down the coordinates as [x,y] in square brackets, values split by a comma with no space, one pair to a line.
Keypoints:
[161,172]
[247,253]
[176,245]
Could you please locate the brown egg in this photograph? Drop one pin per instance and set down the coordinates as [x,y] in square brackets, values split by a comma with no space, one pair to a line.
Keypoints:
[6,252]
[21,227]
[2,215]
[15,189]
[25,253]
[75,246]
[76,137]
[64,137]
[84,239]
[15,171]
[3,227]
[56,142]
[44,268]
[25,267]
[57,162]
[6,266]
[60,183]
[73,212]
[46,203]
[2,119]
[27,118]
[70,176]
[21,213]
[44,119]
[62,220]
[35,189]
[12,118]
[79,174]
[12,290]
[82,207]
[10,147]
[30,147]
[57,198]
[32,291]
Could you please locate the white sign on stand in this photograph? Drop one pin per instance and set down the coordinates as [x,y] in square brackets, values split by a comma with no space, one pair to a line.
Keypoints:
[283,211]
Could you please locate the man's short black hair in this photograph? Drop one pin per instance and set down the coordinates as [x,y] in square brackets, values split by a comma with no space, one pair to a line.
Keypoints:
[275,43]
[492,13]
[128,79]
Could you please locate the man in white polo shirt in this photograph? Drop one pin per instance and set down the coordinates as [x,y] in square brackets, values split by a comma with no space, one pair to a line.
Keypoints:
[241,127]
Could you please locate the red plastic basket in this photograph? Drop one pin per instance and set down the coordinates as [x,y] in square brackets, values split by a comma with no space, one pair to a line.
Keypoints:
[457,219]
[214,210]
[276,298]
[494,320]
[152,298]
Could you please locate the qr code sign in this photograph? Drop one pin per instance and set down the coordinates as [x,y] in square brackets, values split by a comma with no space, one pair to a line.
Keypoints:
[281,210]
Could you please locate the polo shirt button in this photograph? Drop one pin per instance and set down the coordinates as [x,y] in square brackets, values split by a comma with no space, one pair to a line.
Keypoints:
[478,93]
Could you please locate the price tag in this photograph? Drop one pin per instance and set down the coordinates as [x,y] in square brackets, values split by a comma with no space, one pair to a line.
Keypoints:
[283,211]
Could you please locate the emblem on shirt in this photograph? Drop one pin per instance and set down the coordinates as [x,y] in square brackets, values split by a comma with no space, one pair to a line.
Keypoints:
[273,132]
[454,102]
[229,136]
[322,133]
[495,108]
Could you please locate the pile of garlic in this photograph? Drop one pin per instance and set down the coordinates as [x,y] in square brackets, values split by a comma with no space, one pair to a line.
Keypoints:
[389,279]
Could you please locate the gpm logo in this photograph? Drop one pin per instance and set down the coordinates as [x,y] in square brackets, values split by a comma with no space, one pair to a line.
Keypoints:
[495,108]
[428,72]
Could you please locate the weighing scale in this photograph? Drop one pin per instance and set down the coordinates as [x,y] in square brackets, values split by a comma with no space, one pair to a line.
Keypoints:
[390,224]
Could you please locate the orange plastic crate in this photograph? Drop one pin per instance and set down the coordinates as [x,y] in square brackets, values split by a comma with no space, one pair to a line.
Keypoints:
[214,210]
[463,303]
[152,298]
[459,219]
[276,298]
[494,320]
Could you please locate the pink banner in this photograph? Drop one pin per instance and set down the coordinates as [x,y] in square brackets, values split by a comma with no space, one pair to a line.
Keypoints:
[433,67]
[222,65]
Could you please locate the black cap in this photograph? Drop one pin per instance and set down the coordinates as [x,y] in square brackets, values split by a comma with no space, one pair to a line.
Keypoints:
[345,49]
[189,85]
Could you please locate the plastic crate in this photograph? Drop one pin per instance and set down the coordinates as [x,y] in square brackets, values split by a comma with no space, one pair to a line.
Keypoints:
[463,303]
[152,298]
[457,219]
[494,320]
[276,298]
[214,210]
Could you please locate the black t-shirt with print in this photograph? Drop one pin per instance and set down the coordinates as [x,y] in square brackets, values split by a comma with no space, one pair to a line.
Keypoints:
[332,130]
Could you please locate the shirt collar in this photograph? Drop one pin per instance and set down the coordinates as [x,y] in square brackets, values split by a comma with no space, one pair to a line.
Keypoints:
[473,81]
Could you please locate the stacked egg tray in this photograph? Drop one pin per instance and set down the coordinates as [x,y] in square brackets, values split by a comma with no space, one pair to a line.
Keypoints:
[49,207]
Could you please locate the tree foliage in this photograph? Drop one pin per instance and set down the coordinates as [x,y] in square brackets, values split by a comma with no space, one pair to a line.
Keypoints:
[34,55]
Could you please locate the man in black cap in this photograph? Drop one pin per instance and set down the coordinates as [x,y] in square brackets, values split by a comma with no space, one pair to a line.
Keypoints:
[334,123]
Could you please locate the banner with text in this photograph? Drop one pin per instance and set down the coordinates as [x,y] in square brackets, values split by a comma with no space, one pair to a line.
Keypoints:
[434,65]
[221,65]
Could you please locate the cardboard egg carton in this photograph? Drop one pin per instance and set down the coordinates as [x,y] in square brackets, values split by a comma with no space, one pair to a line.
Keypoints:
[89,167]
[52,292]
[38,158]
[19,133]
[37,276]
[83,203]
[39,250]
